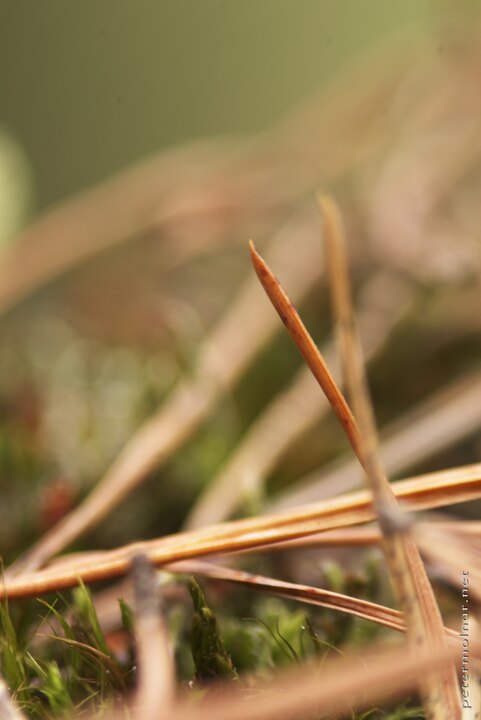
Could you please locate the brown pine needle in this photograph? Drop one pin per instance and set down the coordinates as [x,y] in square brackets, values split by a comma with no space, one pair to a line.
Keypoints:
[368,536]
[380,614]
[307,347]
[367,610]
[304,593]
[374,612]
[423,619]
[421,493]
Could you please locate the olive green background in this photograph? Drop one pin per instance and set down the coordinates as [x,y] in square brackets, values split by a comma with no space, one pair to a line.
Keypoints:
[89,86]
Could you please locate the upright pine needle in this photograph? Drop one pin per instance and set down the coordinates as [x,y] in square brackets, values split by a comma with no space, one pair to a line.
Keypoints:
[415,594]
[409,577]
[307,347]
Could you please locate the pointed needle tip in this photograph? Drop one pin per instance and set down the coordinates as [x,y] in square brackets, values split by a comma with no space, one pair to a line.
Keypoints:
[257,260]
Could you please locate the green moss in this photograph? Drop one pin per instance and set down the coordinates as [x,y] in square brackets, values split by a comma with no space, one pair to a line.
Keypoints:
[211,660]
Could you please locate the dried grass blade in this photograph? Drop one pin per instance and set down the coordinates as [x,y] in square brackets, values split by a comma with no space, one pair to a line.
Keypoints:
[408,575]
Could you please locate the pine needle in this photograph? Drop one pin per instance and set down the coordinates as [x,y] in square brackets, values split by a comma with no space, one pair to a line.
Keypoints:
[308,349]
[368,536]
[423,619]
[420,493]
[407,571]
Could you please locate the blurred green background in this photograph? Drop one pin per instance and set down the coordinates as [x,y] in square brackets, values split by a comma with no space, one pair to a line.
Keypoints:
[89,87]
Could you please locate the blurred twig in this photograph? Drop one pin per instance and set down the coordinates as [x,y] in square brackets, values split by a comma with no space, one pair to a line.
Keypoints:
[155,667]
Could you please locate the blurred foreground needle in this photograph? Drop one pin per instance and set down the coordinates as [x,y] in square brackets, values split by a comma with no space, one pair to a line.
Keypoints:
[156,674]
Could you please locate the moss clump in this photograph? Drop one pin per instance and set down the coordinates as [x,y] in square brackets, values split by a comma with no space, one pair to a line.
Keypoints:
[211,659]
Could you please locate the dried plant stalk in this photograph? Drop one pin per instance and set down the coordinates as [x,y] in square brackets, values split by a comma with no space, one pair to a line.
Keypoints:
[407,572]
